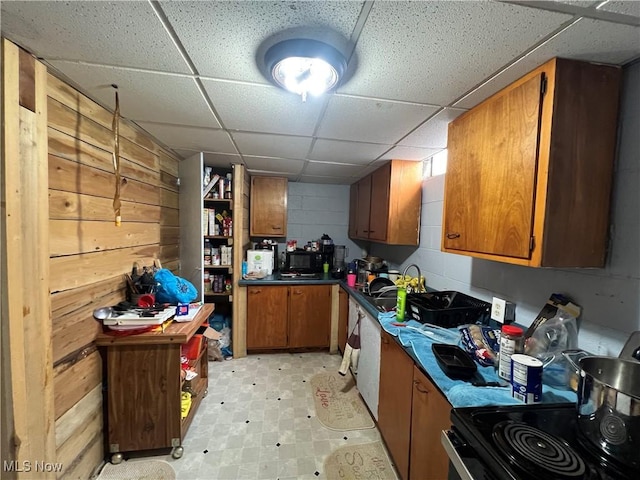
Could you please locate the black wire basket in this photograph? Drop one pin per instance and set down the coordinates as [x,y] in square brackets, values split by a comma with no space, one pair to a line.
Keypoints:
[447,309]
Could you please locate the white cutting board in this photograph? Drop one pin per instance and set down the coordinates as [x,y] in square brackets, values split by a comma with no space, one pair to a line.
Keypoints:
[131,318]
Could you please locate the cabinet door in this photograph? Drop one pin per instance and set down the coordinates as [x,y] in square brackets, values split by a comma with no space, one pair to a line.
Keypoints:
[394,406]
[491,174]
[147,376]
[364,207]
[190,203]
[430,414]
[379,213]
[266,317]
[309,316]
[268,210]
[353,210]
[343,318]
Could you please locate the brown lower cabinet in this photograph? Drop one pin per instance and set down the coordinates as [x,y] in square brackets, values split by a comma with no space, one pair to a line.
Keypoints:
[430,414]
[144,387]
[288,316]
[394,407]
[411,415]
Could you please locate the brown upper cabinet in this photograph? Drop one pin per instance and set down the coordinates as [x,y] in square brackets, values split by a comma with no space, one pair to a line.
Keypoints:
[384,206]
[268,207]
[529,170]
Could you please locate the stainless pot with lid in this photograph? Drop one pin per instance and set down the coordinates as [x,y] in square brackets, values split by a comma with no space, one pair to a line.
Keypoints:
[609,406]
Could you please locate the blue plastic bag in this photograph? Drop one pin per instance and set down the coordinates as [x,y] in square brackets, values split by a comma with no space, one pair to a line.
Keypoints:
[174,289]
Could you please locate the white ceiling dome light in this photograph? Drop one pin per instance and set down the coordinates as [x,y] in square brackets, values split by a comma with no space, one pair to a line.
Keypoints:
[305,66]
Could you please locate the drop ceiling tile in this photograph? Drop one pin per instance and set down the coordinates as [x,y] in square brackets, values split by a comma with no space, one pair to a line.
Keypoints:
[346,152]
[216,160]
[332,169]
[191,138]
[371,120]
[578,3]
[324,180]
[591,40]
[624,7]
[272,145]
[143,96]
[264,109]
[274,165]
[224,38]
[102,32]
[430,52]
[432,133]
[410,153]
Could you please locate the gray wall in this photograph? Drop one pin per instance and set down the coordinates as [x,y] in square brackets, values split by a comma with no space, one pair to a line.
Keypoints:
[610,297]
[314,209]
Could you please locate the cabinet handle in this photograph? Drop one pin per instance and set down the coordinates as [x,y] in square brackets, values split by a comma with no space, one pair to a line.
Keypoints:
[276,227]
[418,385]
[365,231]
[254,292]
[451,236]
[297,292]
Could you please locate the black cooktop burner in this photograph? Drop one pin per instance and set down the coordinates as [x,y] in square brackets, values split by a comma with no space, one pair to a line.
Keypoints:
[533,442]
[534,451]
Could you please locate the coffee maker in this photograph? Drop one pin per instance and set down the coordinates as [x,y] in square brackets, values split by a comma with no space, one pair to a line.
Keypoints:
[326,249]
[338,269]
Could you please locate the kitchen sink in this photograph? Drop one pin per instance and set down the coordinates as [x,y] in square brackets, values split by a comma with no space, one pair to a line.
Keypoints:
[384,302]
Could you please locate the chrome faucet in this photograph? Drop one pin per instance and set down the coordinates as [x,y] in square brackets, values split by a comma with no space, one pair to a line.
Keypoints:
[404,273]
[631,349]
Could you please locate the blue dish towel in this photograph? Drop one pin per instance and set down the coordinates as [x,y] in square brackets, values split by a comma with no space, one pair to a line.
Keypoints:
[458,392]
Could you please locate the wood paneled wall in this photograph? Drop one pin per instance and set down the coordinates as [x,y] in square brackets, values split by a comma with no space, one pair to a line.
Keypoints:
[89,254]
[64,257]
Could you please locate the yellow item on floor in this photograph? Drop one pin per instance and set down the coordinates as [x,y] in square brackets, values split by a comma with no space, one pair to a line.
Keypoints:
[185,404]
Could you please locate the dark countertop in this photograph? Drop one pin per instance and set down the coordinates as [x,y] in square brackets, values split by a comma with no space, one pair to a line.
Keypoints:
[277,279]
[417,342]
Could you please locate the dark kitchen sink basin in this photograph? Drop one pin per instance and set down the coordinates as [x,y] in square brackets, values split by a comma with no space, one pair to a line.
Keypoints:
[384,302]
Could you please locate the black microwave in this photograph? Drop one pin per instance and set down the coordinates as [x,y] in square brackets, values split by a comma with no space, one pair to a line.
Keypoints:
[303,261]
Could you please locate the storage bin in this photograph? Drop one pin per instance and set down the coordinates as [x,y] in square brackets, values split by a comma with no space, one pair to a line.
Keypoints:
[447,309]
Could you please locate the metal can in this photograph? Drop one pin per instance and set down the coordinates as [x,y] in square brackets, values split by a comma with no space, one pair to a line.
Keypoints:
[526,378]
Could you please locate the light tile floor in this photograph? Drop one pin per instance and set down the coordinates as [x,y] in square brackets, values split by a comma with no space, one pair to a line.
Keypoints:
[258,422]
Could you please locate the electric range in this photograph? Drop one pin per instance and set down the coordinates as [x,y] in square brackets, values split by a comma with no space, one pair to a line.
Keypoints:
[526,442]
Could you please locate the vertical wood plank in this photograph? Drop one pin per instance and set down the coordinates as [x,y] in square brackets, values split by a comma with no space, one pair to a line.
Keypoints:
[28,309]
[15,440]
[335,314]
[240,233]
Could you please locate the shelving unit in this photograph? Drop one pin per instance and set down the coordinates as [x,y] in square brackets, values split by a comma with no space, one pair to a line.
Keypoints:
[192,238]
[222,291]
[197,231]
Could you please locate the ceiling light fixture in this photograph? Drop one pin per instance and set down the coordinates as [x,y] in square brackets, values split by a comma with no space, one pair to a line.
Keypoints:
[305,66]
